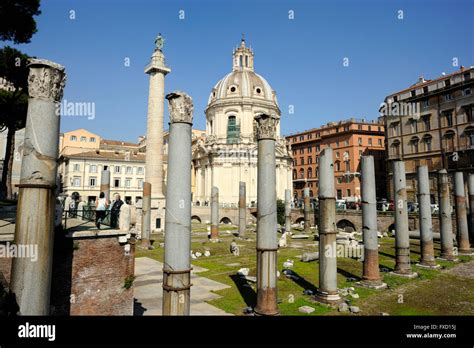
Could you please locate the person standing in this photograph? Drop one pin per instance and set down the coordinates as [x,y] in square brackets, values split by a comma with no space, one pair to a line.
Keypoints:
[114,213]
[100,209]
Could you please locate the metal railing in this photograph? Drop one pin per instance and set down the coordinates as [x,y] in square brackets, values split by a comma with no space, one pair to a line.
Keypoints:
[88,214]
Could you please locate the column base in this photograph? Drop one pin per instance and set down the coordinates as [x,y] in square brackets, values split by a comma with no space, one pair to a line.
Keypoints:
[465,252]
[448,258]
[428,265]
[372,284]
[409,275]
[326,298]
[146,245]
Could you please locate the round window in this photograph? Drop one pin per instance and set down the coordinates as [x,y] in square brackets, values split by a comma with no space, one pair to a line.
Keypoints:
[232,89]
[259,90]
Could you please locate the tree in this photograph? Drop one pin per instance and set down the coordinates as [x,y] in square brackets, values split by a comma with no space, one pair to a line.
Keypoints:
[17,25]
[13,106]
[16,20]
[280,212]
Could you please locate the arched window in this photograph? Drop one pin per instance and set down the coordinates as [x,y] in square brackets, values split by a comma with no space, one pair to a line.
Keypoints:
[295,174]
[311,193]
[338,166]
[233,130]
[310,172]
[448,139]
[414,142]
[395,147]
[427,140]
[469,136]
[301,173]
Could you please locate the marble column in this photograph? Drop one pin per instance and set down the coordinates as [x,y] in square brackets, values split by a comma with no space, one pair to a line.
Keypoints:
[445,212]
[426,224]
[214,213]
[146,216]
[327,291]
[157,70]
[471,205]
[34,229]
[464,247]
[267,243]
[371,274]
[242,209]
[105,184]
[307,210]
[177,265]
[402,238]
[287,210]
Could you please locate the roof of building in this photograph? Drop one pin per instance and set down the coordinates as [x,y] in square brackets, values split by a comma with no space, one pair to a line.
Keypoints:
[422,82]
[110,155]
[116,142]
[338,123]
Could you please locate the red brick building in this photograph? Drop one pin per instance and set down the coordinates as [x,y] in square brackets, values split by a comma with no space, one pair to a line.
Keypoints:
[349,139]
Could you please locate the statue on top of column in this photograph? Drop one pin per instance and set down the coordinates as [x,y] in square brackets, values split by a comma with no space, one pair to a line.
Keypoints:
[159,42]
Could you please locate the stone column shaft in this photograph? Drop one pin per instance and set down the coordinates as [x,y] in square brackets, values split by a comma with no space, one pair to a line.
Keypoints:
[177,265]
[471,205]
[105,184]
[445,212]
[371,274]
[327,291]
[287,210]
[267,243]
[307,210]
[214,213]
[146,215]
[464,247]
[426,225]
[402,239]
[242,209]
[31,279]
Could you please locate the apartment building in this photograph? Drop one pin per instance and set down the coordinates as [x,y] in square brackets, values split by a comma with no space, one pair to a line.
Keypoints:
[433,125]
[349,139]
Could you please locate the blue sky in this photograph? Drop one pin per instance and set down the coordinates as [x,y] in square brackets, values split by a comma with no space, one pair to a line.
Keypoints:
[302,59]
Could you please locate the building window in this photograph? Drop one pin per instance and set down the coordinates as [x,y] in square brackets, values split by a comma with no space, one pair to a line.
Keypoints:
[117,169]
[76,167]
[338,166]
[360,141]
[337,154]
[346,142]
[348,165]
[425,103]
[301,173]
[128,182]
[233,130]
[379,142]
[359,127]
[310,160]
[413,125]
[348,192]
[339,179]
[337,143]
[427,140]
[310,173]
[92,140]
[301,161]
[310,149]
[76,181]
[73,138]
[448,115]
[426,122]
[116,182]
[295,174]
[301,137]
[140,183]
[449,140]
[140,170]
[83,139]
[301,151]
[395,148]
[318,148]
[92,182]
[93,168]
[295,162]
[448,97]
[370,141]
[129,170]
[414,144]
[394,127]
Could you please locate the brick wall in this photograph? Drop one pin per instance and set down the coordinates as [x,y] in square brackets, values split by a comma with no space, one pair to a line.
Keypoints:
[89,274]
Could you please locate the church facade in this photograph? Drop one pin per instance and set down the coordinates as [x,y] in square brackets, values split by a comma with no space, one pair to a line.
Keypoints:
[228,152]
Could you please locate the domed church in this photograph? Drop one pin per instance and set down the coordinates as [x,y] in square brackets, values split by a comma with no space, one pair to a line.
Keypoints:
[228,152]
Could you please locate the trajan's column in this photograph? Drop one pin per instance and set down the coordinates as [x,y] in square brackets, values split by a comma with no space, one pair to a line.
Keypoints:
[154,134]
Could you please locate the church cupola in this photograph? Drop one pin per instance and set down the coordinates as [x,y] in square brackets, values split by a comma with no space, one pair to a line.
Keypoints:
[243,57]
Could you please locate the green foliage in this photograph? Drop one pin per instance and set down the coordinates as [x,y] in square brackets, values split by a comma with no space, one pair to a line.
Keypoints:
[128,282]
[16,20]
[280,212]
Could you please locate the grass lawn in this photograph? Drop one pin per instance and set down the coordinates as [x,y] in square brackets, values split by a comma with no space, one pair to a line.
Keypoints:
[434,292]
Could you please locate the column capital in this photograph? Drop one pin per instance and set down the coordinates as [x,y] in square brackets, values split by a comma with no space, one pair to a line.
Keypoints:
[266,126]
[180,107]
[157,64]
[46,80]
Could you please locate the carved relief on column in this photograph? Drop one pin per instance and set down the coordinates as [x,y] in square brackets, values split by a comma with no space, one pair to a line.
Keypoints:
[46,80]
[180,107]
[266,126]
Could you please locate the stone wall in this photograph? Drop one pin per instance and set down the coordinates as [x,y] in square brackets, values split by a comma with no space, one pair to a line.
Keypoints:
[90,273]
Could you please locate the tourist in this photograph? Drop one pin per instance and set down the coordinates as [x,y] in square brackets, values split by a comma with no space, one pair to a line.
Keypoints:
[100,208]
[114,213]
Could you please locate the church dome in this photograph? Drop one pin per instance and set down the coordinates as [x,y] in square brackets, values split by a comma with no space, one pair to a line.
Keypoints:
[242,82]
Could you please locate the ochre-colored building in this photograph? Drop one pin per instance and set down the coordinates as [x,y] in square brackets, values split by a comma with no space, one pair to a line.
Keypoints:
[349,139]
[431,123]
